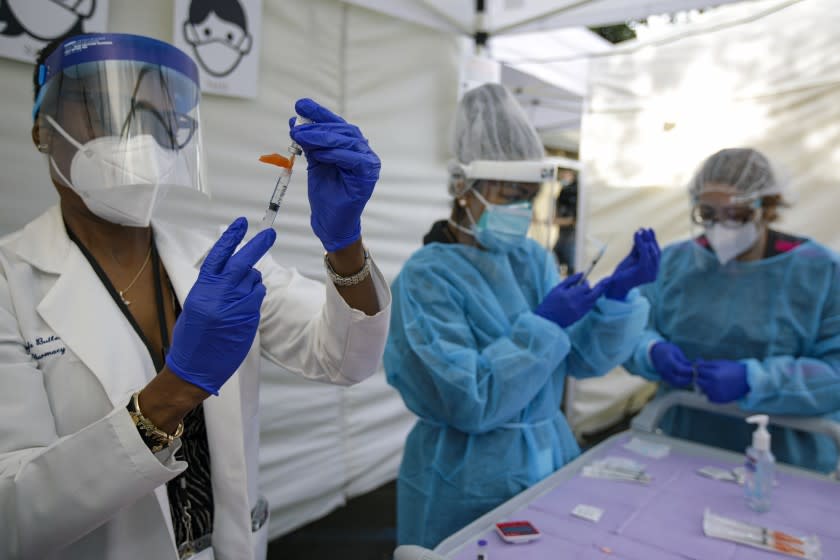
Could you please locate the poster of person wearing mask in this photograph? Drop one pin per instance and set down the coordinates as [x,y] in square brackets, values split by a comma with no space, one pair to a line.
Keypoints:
[27,25]
[222,36]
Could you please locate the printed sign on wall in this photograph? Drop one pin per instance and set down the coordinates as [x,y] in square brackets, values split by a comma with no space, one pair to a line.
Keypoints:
[27,25]
[222,36]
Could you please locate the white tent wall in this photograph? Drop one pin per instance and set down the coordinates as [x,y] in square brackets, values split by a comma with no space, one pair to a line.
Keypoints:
[762,74]
[396,80]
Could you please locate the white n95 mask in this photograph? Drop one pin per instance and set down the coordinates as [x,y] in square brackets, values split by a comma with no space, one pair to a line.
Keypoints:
[121,180]
[729,243]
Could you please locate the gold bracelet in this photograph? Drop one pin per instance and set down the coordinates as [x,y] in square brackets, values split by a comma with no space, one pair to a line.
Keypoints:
[351,280]
[155,438]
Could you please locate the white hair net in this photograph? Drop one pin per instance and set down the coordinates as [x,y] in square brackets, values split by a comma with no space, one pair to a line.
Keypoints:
[491,125]
[747,170]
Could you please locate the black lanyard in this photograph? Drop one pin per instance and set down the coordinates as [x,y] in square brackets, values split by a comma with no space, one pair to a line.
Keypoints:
[193,487]
[158,361]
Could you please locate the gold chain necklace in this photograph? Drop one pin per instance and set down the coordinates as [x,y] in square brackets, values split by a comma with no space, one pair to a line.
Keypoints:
[136,276]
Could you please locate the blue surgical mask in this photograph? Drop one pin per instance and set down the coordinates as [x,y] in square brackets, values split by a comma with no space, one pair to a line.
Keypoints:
[502,227]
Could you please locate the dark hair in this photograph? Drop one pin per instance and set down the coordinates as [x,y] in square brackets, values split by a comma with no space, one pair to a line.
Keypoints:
[459,212]
[770,205]
[228,10]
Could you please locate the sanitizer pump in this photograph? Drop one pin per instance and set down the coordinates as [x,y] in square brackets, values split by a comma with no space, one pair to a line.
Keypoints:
[760,466]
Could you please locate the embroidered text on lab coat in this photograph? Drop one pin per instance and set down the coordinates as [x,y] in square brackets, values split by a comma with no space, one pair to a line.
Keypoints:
[39,350]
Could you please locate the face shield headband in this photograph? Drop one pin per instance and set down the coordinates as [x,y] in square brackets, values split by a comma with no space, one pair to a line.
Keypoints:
[73,56]
[513,171]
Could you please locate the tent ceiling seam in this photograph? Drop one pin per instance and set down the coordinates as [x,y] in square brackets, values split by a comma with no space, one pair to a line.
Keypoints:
[532,19]
[658,43]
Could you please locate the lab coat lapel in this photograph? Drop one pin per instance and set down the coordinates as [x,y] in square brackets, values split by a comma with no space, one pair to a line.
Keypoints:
[81,311]
[182,255]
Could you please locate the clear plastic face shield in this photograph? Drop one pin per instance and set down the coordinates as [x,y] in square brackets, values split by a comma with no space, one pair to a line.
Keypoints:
[512,197]
[731,222]
[118,116]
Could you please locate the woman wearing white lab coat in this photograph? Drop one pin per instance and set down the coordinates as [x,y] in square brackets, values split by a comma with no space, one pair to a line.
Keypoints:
[77,478]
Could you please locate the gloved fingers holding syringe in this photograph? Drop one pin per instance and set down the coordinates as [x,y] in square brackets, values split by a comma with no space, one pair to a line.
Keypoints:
[342,172]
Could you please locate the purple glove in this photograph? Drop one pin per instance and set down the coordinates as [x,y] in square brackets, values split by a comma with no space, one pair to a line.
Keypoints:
[342,171]
[567,301]
[639,267]
[221,314]
[723,381]
[671,364]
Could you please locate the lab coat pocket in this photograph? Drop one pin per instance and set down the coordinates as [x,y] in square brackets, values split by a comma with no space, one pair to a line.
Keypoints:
[259,529]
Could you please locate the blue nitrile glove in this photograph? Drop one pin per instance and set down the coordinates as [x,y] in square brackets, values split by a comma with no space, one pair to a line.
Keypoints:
[221,314]
[639,267]
[342,172]
[671,364]
[567,301]
[723,381]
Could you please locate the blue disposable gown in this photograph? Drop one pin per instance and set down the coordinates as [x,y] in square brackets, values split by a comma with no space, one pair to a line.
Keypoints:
[485,376]
[780,316]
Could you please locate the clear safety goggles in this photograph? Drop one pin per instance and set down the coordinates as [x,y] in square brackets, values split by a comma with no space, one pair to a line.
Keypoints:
[728,216]
[125,87]
[737,211]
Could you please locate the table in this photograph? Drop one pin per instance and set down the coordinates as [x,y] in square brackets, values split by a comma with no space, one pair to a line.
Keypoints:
[659,521]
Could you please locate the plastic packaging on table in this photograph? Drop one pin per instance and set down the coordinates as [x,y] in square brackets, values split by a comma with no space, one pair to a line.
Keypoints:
[617,468]
[720,527]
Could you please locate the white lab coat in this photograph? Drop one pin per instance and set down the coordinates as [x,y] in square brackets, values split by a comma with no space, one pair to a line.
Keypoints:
[76,480]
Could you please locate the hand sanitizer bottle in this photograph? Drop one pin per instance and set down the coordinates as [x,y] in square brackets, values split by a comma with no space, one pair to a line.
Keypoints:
[760,466]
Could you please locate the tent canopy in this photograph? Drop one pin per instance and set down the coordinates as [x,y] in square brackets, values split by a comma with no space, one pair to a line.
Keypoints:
[506,16]
[523,32]
[552,94]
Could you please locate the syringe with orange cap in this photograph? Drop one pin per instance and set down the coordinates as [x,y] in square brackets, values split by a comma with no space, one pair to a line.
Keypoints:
[285,164]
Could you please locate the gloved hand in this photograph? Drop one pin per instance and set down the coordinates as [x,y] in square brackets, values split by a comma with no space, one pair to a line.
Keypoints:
[342,172]
[639,267]
[723,381]
[568,301]
[671,364]
[222,311]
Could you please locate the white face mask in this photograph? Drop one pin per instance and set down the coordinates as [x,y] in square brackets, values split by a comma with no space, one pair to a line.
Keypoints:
[729,243]
[120,180]
[217,58]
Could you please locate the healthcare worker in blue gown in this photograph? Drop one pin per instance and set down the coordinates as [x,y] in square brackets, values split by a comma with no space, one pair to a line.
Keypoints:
[753,312]
[483,333]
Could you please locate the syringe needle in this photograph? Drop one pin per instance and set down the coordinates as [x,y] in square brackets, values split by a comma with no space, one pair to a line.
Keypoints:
[591,266]
[279,188]
[286,164]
